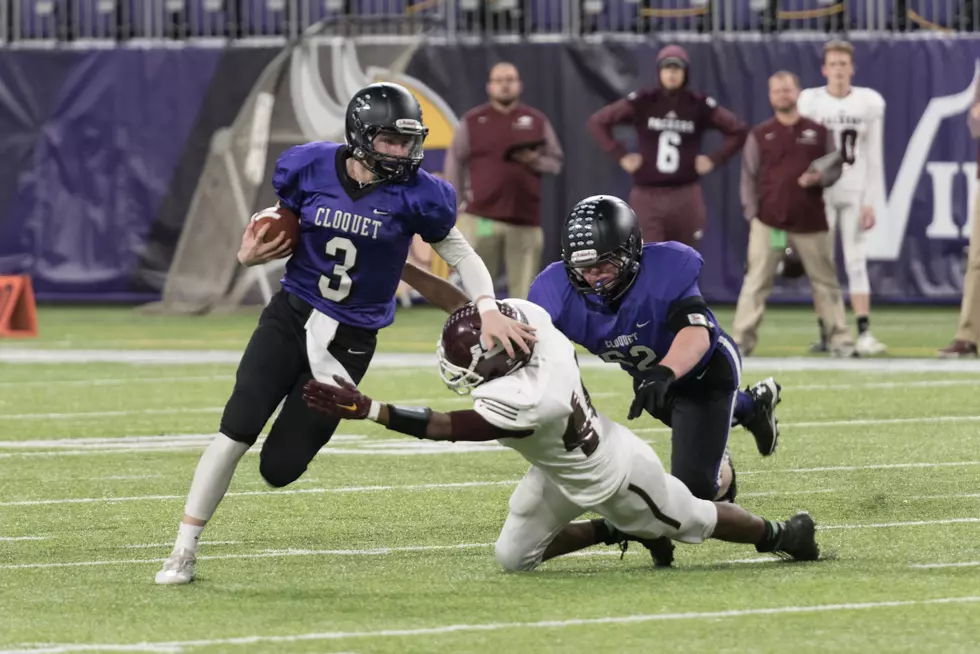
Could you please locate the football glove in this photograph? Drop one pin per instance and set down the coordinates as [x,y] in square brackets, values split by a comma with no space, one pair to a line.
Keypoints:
[651,394]
[340,401]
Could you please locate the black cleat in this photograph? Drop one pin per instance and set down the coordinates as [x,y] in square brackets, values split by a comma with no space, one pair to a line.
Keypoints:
[797,539]
[762,423]
[661,549]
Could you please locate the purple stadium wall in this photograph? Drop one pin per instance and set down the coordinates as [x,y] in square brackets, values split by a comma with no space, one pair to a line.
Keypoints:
[101,150]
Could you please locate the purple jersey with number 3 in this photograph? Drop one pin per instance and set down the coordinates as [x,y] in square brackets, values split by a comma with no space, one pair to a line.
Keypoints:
[637,335]
[353,245]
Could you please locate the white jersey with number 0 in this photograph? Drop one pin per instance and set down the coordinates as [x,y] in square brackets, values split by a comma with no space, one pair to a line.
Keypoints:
[857,121]
[582,452]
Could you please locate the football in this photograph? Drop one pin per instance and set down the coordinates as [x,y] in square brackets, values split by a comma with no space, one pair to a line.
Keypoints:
[280,219]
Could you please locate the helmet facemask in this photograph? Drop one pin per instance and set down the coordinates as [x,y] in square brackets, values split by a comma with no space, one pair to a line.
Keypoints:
[626,258]
[391,167]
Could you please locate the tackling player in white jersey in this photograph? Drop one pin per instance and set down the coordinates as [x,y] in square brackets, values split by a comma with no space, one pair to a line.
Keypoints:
[580,460]
[856,115]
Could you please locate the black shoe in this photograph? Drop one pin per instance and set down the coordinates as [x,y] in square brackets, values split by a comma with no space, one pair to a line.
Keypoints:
[797,539]
[762,423]
[661,549]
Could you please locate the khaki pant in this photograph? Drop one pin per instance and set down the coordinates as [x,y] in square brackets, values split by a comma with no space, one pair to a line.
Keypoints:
[969,327]
[817,255]
[517,246]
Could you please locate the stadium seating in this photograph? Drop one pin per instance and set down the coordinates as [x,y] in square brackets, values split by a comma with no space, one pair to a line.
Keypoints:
[210,18]
[264,18]
[112,20]
[39,19]
[95,19]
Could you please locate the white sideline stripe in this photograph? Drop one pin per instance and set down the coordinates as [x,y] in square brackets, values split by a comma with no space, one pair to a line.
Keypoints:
[218,409]
[289,491]
[953,496]
[926,383]
[873,466]
[428,361]
[171,544]
[8,539]
[181,645]
[182,440]
[931,566]
[108,414]
[125,381]
[167,439]
[264,554]
[125,477]
[341,489]
[846,423]
[115,381]
[914,523]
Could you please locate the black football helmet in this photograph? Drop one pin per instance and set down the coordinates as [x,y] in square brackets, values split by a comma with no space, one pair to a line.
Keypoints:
[464,363]
[390,109]
[602,228]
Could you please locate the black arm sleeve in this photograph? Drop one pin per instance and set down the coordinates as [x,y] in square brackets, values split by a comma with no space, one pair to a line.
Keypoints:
[687,312]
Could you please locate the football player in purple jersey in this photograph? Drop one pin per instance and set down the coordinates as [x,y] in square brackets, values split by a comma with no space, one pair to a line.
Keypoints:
[360,204]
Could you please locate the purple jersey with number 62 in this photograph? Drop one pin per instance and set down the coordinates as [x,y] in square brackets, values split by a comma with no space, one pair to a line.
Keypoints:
[353,245]
[637,335]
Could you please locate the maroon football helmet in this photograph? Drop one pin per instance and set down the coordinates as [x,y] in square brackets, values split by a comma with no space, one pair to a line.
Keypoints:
[789,265]
[464,363]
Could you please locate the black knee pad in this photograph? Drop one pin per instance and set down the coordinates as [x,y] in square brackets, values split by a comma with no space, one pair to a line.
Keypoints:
[279,472]
[244,416]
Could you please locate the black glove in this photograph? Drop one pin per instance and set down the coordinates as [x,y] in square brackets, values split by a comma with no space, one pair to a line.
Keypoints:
[651,394]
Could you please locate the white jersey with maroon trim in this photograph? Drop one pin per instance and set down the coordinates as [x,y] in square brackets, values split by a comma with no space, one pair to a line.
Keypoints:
[578,449]
[857,121]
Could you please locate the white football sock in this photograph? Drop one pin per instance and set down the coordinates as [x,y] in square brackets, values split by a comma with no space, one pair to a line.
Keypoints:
[213,476]
[187,536]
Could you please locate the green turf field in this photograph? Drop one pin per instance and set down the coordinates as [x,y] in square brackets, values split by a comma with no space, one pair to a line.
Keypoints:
[385,545]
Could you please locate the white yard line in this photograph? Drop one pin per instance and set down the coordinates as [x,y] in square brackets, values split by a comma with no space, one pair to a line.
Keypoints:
[147,546]
[914,523]
[265,554]
[288,491]
[952,496]
[180,442]
[115,381]
[9,539]
[859,422]
[934,566]
[428,361]
[445,399]
[182,645]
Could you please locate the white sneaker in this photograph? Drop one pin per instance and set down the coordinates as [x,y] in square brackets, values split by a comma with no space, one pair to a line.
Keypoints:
[178,568]
[868,345]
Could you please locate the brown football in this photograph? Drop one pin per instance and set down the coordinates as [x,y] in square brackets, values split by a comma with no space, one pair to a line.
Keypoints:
[280,219]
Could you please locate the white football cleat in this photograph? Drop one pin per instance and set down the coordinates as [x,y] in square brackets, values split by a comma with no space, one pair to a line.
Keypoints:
[178,568]
[868,345]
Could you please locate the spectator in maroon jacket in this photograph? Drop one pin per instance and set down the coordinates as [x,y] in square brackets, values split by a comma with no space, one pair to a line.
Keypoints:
[499,153]
[786,165]
[669,122]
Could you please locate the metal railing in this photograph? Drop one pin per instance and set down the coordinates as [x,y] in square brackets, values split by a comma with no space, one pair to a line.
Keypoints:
[50,22]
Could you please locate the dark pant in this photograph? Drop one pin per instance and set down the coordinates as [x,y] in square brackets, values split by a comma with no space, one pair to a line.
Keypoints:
[669,213]
[700,421]
[276,366]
